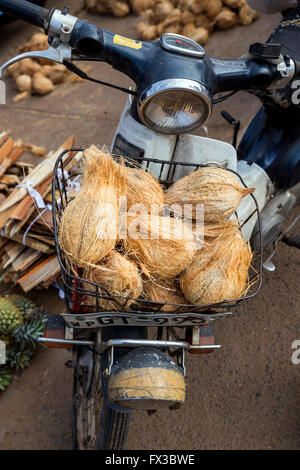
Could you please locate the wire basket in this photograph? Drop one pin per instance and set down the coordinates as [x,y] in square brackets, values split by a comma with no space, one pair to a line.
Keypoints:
[78,291]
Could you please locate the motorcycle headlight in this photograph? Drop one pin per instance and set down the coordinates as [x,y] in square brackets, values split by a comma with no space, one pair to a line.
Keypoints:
[175,106]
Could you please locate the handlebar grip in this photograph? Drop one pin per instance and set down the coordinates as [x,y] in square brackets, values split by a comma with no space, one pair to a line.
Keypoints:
[27,11]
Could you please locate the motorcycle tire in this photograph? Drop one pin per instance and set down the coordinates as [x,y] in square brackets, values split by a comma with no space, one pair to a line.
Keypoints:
[95,425]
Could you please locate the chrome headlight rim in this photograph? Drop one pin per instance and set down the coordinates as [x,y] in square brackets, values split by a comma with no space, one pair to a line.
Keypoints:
[176,84]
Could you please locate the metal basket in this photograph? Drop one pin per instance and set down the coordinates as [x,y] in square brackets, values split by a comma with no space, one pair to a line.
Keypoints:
[77,290]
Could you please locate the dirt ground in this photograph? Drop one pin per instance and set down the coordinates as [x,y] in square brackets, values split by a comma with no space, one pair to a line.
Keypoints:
[245,396]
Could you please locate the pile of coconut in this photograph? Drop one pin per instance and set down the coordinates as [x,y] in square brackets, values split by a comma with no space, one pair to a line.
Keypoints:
[196,19]
[124,234]
[38,76]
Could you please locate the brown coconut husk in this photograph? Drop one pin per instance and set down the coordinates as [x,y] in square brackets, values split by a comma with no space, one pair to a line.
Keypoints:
[24,83]
[88,229]
[200,35]
[219,271]
[226,19]
[164,292]
[41,84]
[147,32]
[247,15]
[120,8]
[163,246]
[143,188]
[119,276]
[217,189]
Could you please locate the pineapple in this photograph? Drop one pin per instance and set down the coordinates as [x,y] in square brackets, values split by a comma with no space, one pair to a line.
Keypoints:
[26,306]
[10,316]
[5,378]
[19,357]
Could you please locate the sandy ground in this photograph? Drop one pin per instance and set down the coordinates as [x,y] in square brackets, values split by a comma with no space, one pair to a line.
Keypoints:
[245,396]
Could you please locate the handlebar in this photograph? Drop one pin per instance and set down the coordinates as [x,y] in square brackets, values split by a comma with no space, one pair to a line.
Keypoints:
[27,11]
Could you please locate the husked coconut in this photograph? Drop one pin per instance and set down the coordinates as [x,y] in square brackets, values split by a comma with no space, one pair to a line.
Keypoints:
[88,228]
[164,292]
[117,275]
[163,246]
[219,271]
[217,190]
[24,83]
[41,84]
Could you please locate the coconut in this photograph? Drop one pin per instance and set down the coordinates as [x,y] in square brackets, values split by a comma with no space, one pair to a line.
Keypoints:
[212,7]
[91,4]
[173,18]
[139,6]
[24,83]
[188,29]
[163,10]
[119,276]
[163,292]
[200,35]
[174,28]
[147,32]
[14,69]
[88,227]
[160,29]
[197,6]
[56,73]
[205,22]
[41,84]
[215,188]
[120,9]
[226,19]
[219,271]
[247,15]
[187,17]
[234,4]
[38,42]
[143,188]
[29,67]
[162,245]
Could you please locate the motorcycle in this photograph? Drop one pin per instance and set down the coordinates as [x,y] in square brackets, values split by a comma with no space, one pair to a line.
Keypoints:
[117,369]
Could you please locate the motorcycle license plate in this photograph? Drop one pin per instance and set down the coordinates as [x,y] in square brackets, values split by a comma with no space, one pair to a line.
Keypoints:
[100,320]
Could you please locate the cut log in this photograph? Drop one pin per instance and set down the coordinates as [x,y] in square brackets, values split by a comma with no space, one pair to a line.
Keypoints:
[8,161]
[6,148]
[46,270]
[26,259]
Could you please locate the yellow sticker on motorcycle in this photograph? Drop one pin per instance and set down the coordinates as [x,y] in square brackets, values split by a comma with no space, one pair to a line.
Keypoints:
[127,42]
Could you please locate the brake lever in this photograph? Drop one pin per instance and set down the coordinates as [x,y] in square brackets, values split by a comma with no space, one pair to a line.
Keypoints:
[58,54]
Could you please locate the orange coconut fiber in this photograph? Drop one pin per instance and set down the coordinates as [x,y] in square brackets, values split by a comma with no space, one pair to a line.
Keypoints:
[88,229]
[219,271]
[215,188]
[164,292]
[162,245]
[117,275]
[143,189]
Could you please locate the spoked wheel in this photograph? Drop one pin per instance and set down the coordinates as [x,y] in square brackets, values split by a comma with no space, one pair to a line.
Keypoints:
[95,425]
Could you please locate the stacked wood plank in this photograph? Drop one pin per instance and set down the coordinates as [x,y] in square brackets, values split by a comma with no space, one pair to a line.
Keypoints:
[27,247]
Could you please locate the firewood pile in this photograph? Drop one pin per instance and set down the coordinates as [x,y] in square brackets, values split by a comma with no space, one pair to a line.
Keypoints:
[27,248]
[197,19]
[38,76]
